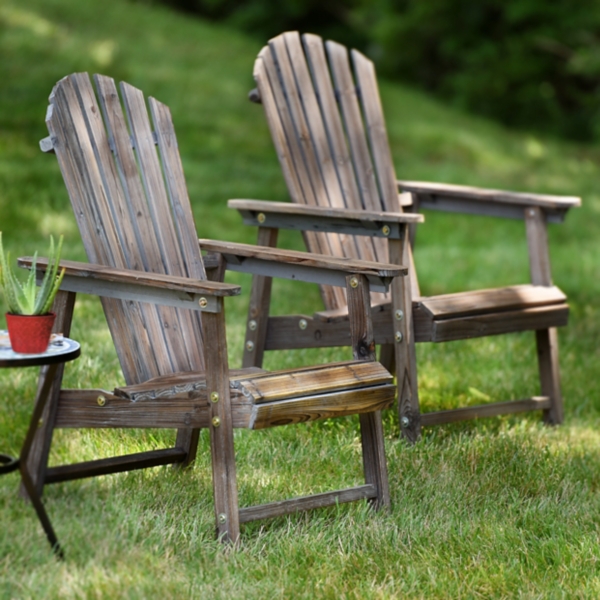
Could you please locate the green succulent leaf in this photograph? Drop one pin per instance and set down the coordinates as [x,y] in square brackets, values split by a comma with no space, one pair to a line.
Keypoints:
[27,298]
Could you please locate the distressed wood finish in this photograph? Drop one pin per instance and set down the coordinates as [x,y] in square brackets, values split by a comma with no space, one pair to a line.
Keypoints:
[482,201]
[124,176]
[326,120]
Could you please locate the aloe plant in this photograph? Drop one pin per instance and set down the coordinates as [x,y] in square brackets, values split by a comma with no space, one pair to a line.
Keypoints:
[27,298]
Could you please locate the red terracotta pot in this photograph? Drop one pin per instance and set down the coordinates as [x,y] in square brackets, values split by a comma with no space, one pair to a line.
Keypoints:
[30,334]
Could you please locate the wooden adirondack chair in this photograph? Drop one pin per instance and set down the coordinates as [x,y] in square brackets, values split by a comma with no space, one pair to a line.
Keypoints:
[327,124]
[125,180]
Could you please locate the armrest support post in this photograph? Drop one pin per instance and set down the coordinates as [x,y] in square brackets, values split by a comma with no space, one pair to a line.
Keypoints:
[258,309]
[537,242]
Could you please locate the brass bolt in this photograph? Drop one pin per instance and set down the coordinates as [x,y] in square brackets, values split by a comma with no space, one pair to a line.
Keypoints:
[203,302]
[101,400]
[216,421]
[302,323]
[222,518]
[261,218]
[252,325]
[354,282]
[249,345]
[385,230]
[398,337]
[399,315]
[214,396]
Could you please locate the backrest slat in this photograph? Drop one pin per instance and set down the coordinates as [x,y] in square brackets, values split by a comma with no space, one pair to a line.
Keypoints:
[346,88]
[320,137]
[134,219]
[376,130]
[72,135]
[174,325]
[123,211]
[290,157]
[182,216]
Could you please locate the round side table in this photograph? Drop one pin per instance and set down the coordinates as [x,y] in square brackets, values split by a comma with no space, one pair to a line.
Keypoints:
[60,350]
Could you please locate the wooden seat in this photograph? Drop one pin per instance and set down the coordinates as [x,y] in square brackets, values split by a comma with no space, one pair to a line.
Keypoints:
[124,177]
[324,112]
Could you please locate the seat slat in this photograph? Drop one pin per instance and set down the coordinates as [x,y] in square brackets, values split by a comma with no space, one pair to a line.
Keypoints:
[277,386]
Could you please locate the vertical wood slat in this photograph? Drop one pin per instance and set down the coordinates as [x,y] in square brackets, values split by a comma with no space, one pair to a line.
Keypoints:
[404,345]
[313,135]
[362,172]
[290,156]
[221,429]
[317,60]
[173,325]
[73,146]
[132,215]
[363,167]
[183,223]
[537,242]
[380,147]
[311,127]
[371,426]
[331,130]
[258,308]
[546,339]
[359,150]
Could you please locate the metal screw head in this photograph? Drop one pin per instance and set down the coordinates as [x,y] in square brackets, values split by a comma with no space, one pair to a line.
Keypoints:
[101,400]
[405,422]
[302,323]
[261,218]
[214,396]
[216,421]
[399,315]
[354,282]
[385,230]
[249,345]
[398,336]
[222,518]
[252,325]
[203,302]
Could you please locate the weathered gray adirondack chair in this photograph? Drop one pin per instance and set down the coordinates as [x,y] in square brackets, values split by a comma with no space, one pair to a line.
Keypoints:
[125,180]
[327,124]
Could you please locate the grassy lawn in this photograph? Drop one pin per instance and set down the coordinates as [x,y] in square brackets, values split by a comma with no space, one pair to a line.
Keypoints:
[499,508]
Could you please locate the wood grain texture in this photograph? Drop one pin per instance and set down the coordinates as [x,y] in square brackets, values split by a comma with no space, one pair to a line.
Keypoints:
[118,155]
[328,112]
[491,195]
[258,307]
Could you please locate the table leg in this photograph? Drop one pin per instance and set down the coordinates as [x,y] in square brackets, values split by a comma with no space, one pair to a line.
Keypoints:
[8,464]
[47,375]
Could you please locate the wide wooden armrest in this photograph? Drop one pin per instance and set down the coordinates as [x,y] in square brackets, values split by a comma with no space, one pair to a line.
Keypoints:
[462,198]
[303,266]
[142,286]
[285,215]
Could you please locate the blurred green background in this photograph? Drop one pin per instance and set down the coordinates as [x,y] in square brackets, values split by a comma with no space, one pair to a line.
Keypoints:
[525,63]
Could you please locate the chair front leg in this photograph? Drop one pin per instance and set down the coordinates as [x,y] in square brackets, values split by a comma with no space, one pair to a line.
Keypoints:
[404,346]
[371,427]
[221,427]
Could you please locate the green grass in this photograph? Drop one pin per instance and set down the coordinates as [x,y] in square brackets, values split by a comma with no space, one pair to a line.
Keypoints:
[498,508]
